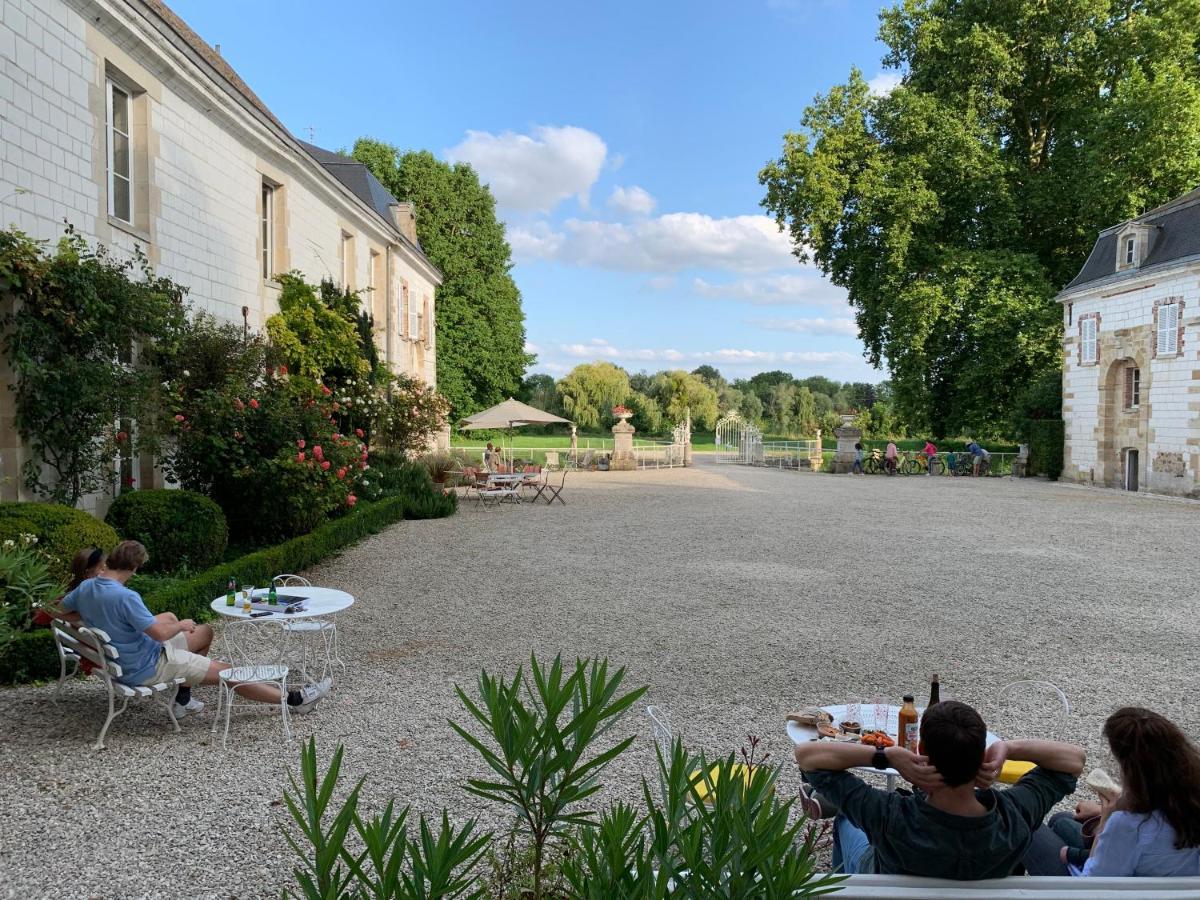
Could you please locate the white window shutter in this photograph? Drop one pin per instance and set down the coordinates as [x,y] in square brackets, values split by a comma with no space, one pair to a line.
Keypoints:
[1173,329]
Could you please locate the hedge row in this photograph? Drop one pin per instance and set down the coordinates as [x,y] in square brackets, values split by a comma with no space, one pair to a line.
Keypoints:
[31,656]
[1046,438]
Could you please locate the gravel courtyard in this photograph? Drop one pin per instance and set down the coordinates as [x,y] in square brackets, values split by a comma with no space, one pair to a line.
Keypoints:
[737,595]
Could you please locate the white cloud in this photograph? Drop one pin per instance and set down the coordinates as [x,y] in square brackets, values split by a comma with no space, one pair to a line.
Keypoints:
[531,347]
[601,349]
[666,243]
[884,83]
[535,172]
[633,201]
[806,290]
[817,326]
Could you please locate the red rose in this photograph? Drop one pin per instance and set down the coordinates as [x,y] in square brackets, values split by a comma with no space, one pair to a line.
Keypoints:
[254,404]
[300,456]
[122,437]
[358,431]
[341,473]
[301,443]
[326,391]
[351,500]
[336,436]
[325,466]
[283,370]
[179,417]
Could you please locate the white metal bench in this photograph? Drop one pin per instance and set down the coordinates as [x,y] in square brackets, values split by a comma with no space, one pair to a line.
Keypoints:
[910,887]
[77,642]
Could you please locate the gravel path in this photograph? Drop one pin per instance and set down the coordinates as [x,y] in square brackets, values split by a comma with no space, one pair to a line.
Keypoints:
[736,594]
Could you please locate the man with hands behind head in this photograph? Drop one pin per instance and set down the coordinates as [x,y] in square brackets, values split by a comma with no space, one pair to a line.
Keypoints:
[956,825]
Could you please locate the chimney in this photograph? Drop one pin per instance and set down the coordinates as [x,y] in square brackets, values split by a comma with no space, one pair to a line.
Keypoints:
[405,216]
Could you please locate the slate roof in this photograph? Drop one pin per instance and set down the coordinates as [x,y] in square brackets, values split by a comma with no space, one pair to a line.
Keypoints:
[1177,237]
[357,177]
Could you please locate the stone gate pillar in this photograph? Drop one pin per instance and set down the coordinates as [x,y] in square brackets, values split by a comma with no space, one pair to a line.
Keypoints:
[847,437]
[687,440]
[623,458]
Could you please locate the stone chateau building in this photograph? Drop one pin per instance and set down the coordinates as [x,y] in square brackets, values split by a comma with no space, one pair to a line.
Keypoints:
[1131,378]
[117,118]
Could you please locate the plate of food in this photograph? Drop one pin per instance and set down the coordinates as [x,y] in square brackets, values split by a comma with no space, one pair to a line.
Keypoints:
[814,723]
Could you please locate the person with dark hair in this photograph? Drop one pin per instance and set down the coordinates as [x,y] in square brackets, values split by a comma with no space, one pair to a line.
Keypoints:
[160,648]
[1152,827]
[956,825]
[858,458]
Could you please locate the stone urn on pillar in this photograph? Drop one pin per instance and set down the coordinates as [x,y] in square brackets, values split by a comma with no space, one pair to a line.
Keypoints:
[847,436]
[622,458]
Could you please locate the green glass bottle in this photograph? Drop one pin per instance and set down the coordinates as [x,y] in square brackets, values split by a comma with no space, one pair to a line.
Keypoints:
[231,594]
[272,597]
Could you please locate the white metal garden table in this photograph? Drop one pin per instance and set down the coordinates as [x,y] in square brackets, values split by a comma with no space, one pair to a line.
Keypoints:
[318,604]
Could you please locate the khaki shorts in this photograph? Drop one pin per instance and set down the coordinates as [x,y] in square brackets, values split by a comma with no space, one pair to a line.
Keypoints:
[177,661]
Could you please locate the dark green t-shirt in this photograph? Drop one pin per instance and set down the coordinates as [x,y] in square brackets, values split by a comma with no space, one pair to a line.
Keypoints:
[910,837]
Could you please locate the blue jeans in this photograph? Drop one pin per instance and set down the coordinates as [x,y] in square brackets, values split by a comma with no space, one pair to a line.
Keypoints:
[850,843]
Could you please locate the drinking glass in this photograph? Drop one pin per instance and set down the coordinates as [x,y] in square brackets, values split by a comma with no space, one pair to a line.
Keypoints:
[854,712]
[880,720]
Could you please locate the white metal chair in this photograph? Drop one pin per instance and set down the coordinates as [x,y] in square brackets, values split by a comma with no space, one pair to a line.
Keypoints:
[254,649]
[551,459]
[307,631]
[552,492]
[664,739]
[67,657]
[1034,709]
[94,645]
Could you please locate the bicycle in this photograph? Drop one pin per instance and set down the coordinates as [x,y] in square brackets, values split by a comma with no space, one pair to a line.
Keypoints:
[915,465]
[877,464]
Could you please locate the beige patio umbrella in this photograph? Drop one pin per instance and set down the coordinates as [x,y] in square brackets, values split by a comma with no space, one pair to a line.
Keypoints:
[509,415]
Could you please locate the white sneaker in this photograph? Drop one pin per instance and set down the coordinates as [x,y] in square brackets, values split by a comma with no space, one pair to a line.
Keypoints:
[193,706]
[311,695]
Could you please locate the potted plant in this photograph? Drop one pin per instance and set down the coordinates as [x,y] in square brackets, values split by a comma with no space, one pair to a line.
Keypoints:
[439,465]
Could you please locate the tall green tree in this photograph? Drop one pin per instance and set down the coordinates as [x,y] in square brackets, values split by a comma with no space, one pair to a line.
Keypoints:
[480,324]
[590,391]
[953,208]
[681,393]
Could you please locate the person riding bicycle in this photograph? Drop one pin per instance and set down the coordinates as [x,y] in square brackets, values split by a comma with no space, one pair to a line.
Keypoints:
[930,452]
[890,457]
[978,456]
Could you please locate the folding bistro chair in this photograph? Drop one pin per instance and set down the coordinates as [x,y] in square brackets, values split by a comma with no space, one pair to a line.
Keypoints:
[311,632]
[1039,709]
[550,492]
[664,739]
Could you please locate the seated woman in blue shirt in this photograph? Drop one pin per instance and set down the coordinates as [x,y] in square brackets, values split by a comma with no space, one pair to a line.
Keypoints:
[1152,828]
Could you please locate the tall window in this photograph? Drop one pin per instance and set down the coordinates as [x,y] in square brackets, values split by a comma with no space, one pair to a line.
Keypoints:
[268,231]
[1088,348]
[347,259]
[1168,330]
[1133,387]
[414,323]
[120,154]
[1130,250]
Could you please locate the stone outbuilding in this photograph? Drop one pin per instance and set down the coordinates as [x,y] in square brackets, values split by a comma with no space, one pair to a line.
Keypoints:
[1131,376]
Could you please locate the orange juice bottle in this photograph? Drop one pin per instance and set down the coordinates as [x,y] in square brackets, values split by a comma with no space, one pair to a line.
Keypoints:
[908,735]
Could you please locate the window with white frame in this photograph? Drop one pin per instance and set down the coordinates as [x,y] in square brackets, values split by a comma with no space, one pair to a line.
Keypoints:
[371,276]
[414,324]
[1167,343]
[1133,387]
[1088,345]
[120,152]
[1130,250]
[268,231]
[347,259]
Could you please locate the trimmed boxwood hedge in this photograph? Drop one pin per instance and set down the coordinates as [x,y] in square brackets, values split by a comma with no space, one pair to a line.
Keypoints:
[179,528]
[31,656]
[61,531]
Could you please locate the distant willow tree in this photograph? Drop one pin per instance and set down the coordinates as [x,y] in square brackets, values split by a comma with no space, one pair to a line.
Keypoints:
[953,208]
[480,324]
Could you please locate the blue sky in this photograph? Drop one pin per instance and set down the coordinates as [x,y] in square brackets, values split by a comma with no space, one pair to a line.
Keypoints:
[622,140]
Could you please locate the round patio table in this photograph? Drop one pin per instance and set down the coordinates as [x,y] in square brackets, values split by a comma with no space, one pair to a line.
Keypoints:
[307,623]
[801,734]
[317,602]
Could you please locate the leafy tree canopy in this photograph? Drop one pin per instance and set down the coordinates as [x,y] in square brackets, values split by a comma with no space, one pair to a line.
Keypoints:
[591,390]
[953,208]
[480,324]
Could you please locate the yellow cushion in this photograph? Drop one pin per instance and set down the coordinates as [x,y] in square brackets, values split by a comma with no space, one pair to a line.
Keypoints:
[714,775]
[1013,770]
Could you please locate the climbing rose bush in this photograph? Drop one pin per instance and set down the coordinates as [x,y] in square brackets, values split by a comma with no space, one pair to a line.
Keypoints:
[414,414]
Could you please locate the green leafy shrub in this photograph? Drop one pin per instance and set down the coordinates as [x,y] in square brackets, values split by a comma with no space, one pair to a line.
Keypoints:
[26,585]
[178,528]
[1046,438]
[435,505]
[61,531]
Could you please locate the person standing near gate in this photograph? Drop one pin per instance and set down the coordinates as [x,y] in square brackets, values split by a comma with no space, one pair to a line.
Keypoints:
[979,456]
[930,452]
[858,459]
[890,456]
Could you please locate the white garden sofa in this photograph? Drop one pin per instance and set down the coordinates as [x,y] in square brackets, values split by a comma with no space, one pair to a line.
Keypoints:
[910,887]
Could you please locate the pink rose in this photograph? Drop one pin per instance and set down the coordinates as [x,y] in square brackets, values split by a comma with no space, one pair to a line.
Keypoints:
[325,466]
[179,418]
[238,404]
[351,500]
[318,452]
[341,473]
[300,456]
[336,407]
[301,443]
[254,404]
[336,436]
[358,431]
[326,391]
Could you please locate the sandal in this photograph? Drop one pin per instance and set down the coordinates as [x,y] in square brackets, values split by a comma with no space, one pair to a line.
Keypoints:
[814,805]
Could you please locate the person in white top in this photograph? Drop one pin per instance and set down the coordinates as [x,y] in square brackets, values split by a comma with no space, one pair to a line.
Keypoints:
[1151,828]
